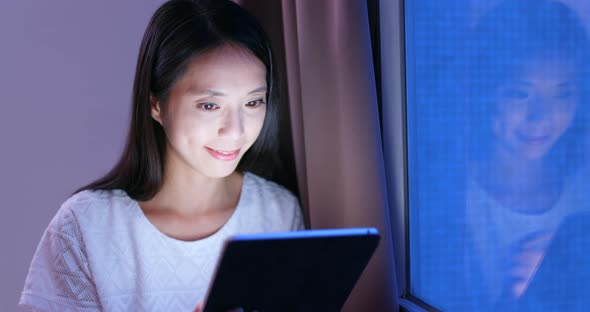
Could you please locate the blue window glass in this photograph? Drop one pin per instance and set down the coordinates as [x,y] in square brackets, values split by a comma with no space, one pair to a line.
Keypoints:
[498,170]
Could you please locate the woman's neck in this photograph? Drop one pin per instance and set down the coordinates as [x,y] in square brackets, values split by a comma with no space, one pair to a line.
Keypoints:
[524,185]
[516,172]
[189,192]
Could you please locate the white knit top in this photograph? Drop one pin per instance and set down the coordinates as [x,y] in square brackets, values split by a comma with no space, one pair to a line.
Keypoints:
[101,253]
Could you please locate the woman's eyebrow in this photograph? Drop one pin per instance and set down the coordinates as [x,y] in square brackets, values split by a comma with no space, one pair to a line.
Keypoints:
[519,83]
[198,91]
[257,90]
[211,92]
[567,84]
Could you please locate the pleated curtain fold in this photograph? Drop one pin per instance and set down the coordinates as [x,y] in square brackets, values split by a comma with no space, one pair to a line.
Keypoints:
[324,51]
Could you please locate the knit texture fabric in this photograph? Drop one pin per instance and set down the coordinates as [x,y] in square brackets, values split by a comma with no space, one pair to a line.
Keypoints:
[101,253]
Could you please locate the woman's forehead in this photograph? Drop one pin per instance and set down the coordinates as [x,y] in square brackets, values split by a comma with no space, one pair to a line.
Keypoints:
[224,70]
[538,68]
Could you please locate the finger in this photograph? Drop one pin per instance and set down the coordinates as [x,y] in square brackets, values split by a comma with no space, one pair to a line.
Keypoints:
[530,258]
[518,289]
[199,306]
[538,242]
[522,272]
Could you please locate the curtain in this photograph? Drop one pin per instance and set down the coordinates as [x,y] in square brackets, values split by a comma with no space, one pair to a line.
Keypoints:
[324,50]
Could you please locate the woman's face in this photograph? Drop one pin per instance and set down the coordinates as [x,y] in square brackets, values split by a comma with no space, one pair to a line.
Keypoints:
[535,107]
[215,112]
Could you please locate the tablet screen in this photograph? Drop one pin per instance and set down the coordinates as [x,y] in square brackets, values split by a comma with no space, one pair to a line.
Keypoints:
[313,270]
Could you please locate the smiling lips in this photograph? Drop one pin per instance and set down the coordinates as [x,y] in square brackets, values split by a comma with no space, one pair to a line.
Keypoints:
[535,140]
[223,155]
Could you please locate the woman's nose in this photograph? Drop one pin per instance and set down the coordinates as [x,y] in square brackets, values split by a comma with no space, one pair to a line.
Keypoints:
[540,109]
[232,125]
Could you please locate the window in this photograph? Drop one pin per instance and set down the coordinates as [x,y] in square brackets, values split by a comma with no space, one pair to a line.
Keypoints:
[485,116]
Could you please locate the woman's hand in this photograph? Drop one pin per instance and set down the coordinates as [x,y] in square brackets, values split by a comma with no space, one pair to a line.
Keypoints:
[529,254]
[200,307]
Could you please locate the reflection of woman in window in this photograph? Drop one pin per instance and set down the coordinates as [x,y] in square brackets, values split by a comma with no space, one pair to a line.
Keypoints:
[526,95]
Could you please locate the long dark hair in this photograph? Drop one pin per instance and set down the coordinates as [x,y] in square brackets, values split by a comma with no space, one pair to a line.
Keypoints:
[179,31]
[506,37]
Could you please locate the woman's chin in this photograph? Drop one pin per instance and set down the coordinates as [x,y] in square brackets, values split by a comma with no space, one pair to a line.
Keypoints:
[220,172]
[534,152]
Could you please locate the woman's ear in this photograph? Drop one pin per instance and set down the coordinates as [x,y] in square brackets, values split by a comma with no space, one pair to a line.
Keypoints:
[156,109]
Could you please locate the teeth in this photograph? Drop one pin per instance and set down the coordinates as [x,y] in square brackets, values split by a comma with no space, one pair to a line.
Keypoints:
[224,152]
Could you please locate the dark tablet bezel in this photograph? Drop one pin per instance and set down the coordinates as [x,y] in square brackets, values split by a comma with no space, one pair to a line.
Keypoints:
[313,270]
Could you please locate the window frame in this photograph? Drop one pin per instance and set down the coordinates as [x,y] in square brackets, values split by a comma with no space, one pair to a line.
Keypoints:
[395,91]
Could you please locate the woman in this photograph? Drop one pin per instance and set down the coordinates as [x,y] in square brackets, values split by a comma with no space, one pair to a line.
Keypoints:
[527,92]
[148,234]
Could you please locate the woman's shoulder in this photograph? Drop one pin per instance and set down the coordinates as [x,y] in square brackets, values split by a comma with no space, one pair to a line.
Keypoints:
[271,202]
[267,189]
[575,193]
[87,198]
[90,206]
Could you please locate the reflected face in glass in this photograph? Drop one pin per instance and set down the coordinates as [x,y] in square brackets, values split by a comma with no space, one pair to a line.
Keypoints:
[214,112]
[535,107]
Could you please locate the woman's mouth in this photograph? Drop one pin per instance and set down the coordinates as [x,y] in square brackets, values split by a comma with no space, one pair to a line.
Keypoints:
[535,140]
[222,154]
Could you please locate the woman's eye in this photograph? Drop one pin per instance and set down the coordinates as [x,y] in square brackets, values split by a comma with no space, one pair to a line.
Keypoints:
[255,103]
[516,94]
[207,106]
[565,95]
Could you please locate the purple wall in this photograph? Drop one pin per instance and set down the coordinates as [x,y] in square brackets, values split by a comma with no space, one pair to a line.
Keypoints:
[66,72]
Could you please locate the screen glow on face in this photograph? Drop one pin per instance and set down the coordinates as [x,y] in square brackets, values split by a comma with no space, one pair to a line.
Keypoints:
[215,112]
[534,108]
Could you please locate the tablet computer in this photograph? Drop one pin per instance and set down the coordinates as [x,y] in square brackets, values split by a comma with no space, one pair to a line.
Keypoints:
[313,270]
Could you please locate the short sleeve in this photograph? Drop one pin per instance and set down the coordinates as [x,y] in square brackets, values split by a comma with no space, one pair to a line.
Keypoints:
[59,277]
[297,223]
